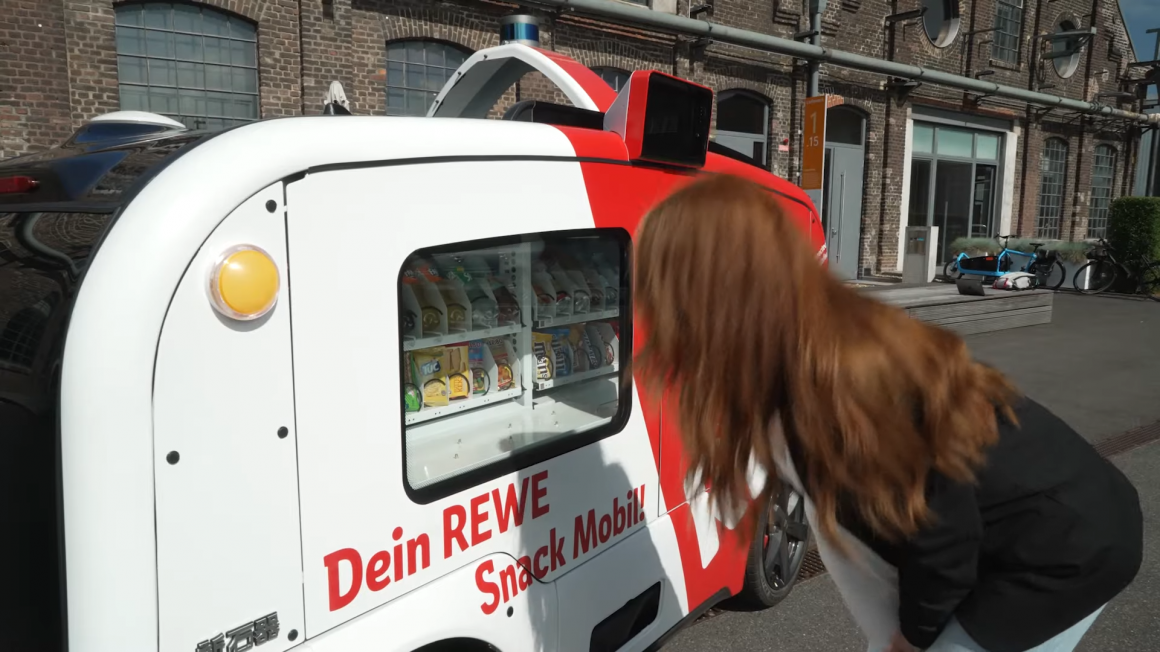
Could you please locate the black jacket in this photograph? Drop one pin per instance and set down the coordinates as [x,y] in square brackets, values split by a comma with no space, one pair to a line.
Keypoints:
[1050,533]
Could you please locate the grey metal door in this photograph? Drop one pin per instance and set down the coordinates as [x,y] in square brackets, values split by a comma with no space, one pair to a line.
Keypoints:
[842,208]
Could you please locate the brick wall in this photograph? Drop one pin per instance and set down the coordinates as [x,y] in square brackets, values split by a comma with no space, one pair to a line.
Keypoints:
[58,68]
[34,80]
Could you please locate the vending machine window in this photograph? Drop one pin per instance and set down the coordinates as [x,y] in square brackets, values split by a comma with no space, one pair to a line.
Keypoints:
[513,351]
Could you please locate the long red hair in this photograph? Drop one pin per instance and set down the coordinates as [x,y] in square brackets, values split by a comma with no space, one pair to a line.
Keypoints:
[753,332]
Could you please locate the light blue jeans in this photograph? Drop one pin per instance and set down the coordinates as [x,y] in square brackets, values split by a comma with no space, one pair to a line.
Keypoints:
[955,639]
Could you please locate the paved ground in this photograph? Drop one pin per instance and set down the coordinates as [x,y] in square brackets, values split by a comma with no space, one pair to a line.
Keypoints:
[1098,366]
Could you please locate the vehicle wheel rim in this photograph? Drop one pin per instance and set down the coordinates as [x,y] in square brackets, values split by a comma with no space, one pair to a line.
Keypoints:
[784,541]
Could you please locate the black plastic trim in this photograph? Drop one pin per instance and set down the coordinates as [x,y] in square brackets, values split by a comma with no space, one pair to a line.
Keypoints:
[704,607]
[420,160]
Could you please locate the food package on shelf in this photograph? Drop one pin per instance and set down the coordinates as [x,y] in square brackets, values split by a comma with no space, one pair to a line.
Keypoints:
[439,369]
[547,303]
[508,306]
[562,351]
[603,341]
[412,397]
[459,375]
[424,311]
[480,378]
[596,286]
[484,307]
[587,356]
[506,366]
[544,355]
[458,308]
[472,281]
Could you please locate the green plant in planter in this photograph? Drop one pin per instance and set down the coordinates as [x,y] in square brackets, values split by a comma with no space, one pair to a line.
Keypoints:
[1072,252]
[1134,228]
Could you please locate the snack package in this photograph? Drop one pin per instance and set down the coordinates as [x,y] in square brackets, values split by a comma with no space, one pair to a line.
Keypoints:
[509,308]
[438,371]
[596,288]
[484,309]
[564,354]
[543,354]
[581,361]
[431,315]
[582,302]
[587,357]
[480,379]
[456,361]
[506,377]
[427,371]
[412,397]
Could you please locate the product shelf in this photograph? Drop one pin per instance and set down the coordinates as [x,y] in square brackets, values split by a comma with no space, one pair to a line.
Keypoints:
[542,385]
[415,344]
[548,322]
[456,407]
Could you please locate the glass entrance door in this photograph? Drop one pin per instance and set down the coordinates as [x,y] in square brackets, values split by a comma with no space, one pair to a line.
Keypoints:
[954,180]
[952,203]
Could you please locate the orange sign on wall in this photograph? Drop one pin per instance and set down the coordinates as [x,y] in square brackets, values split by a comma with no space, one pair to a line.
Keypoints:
[813,141]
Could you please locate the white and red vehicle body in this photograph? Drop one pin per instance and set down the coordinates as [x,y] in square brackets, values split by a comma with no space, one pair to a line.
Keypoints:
[212,473]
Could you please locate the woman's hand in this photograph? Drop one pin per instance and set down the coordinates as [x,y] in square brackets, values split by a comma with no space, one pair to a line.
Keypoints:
[900,644]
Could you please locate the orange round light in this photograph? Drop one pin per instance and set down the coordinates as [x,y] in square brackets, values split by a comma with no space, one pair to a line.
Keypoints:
[244,283]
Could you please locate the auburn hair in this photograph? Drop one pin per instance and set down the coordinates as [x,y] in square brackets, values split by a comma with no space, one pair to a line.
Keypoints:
[751,332]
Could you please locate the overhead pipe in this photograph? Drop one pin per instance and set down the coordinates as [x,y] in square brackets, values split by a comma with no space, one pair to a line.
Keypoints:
[674,24]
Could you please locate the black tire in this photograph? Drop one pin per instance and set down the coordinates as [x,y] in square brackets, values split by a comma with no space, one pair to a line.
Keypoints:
[1103,275]
[951,269]
[1056,274]
[1150,282]
[769,578]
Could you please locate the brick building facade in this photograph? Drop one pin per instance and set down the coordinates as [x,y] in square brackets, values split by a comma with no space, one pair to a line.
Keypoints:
[973,165]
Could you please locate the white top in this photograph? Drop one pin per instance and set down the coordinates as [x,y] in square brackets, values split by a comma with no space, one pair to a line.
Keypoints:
[867,582]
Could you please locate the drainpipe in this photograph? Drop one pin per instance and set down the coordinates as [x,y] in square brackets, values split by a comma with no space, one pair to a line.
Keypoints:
[816,9]
[673,24]
[1150,189]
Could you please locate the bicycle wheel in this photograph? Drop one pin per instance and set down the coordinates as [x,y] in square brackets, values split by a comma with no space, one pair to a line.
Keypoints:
[1099,275]
[1150,282]
[1056,274]
[951,269]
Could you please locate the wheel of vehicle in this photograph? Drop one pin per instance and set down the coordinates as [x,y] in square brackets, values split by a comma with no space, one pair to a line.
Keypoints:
[1100,275]
[779,546]
[951,270]
[1056,274]
[1150,282]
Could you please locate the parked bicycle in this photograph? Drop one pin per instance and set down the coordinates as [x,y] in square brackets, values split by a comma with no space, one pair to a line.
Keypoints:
[1104,271]
[1045,265]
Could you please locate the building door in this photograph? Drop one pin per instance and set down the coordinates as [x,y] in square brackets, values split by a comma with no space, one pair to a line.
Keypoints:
[954,184]
[842,188]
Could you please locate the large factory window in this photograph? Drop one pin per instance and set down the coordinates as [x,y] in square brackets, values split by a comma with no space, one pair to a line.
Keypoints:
[1052,179]
[417,71]
[1008,25]
[194,64]
[1103,184]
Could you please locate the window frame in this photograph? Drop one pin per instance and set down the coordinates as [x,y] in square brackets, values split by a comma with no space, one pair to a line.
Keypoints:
[766,105]
[528,456]
[950,26]
[1110,155]
[1056,225]
[465,51]
[1014,7]
[601,70]
[198,121]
